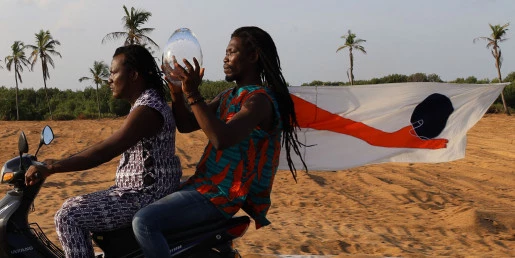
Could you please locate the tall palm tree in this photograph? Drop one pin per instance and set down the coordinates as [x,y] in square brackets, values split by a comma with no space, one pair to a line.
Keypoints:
[99,74]
[132,21]
[18,59]
[351,42]
[498,35]
[44,49]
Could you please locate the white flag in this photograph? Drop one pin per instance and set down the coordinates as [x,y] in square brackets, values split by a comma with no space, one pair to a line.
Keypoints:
[349,126]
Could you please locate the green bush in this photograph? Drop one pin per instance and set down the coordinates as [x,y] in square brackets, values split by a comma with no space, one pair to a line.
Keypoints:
[87,115]
[109,115]
[210,89]
[509,95]
[119,107]
[63,116]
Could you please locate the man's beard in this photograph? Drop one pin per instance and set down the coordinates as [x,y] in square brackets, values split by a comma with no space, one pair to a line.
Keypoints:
[229,78]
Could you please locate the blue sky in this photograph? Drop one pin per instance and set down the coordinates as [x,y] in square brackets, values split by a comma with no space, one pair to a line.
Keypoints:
[402,36]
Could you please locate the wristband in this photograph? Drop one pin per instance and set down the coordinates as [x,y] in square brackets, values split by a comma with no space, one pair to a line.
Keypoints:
[194,97]
[196,100]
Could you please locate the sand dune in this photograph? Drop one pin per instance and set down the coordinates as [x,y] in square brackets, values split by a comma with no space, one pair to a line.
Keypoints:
[463,208]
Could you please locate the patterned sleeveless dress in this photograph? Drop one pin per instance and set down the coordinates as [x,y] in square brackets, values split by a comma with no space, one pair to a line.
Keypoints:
[147,172]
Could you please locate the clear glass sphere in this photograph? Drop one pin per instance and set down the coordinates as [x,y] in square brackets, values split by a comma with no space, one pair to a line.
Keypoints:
[183,44]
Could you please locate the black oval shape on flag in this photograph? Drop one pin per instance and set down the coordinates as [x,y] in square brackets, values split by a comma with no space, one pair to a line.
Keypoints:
[430,116]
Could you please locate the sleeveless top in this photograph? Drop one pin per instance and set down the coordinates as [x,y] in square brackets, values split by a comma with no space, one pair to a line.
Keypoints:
[241,176]
[151,167]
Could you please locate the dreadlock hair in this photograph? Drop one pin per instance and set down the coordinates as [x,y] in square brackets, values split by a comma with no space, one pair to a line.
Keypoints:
[256,39]
[138,58]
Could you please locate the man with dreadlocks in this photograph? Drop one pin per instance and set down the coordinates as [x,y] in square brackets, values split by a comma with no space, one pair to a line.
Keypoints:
[245,126]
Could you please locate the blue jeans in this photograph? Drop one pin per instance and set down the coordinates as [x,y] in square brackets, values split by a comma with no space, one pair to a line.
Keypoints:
[177,211]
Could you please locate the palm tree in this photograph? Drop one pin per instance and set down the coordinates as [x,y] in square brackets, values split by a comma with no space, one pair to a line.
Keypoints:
[99,75]
[497,36]
[352,42]
[18,59]
[44,49]
[132,21]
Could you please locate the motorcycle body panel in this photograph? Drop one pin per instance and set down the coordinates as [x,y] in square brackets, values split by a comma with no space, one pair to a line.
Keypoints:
[17,237]
[8,205]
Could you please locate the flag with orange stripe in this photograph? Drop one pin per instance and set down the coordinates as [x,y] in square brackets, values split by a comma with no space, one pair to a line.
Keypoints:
[349,126]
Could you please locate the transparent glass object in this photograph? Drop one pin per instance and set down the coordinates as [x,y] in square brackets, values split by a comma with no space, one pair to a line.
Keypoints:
[183,44]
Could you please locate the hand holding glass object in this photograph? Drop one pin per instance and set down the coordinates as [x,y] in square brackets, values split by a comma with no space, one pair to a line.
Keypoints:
[183,44]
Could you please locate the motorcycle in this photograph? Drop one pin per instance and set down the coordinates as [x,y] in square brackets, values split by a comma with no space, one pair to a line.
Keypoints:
[19,238]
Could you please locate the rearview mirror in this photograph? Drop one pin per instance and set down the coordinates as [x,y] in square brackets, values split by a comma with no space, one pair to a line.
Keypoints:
[23,146]
[47,136]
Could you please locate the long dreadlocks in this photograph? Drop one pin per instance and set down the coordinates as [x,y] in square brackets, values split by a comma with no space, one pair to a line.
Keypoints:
[256,39]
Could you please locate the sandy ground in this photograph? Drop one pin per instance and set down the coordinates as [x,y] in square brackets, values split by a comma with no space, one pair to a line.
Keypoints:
[464,208]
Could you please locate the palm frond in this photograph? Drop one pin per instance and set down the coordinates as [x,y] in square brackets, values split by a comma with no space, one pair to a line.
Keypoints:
[127,12]
[360,48]
[99,72]
[84,78]
[18,74]
[17,59]
[132,21]
[50,61]
[145,30]
[480,38]
[8,63]
[149,40]
[53,43]
[54,53]
[45,48]
[114,36]
[341,47]
[352,42]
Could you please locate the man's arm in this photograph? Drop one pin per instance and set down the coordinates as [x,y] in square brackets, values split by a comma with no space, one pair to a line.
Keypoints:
[256,111]
[141,122]
[184,118]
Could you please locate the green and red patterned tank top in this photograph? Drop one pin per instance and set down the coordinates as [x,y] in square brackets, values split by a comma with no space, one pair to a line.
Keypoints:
[241,176]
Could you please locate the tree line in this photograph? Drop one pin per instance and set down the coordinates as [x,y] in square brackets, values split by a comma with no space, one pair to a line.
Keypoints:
[92,103]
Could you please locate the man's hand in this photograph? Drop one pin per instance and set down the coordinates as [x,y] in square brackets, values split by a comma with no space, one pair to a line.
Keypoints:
[191,77]
[169,78]
[36,173]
